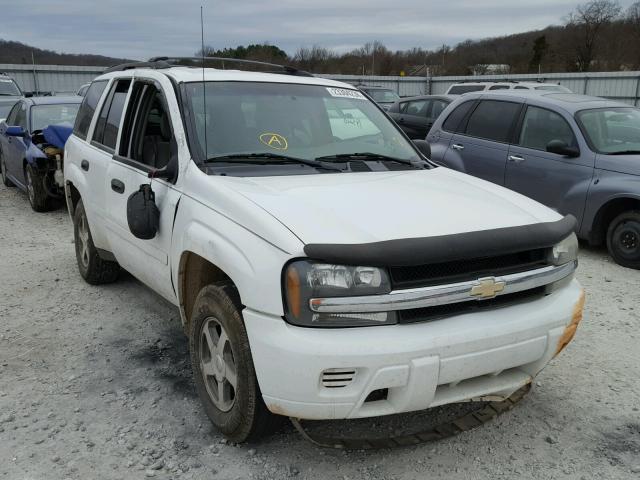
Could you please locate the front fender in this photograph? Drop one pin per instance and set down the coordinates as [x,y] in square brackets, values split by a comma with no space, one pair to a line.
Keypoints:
[253,264]
[610,186]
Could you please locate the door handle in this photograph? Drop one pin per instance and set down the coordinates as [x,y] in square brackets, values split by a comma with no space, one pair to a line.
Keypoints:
[457,146]
[84,164]
[117,186]
[516,158]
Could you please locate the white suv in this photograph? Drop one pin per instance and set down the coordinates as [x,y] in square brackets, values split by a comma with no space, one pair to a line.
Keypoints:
[467,87]
[323,269]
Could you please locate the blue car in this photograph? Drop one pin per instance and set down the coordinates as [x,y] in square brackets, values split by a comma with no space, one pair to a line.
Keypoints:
[32,146]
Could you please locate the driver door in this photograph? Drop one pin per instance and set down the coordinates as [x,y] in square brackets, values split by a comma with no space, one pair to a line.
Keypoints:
[558,181]
[146,144]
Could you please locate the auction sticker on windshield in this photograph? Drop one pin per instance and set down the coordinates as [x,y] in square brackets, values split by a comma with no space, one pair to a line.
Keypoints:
[345,93]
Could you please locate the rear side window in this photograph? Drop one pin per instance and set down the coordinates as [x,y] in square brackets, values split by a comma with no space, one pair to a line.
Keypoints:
[106,131]
[493,120]
[453,123]
[88,108]
[521,88]
[499,87]
[460,89]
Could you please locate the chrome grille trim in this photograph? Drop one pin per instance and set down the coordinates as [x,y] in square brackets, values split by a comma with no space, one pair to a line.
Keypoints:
[441,294]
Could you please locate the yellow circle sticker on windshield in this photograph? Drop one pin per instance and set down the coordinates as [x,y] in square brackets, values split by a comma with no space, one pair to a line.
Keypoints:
[274,140]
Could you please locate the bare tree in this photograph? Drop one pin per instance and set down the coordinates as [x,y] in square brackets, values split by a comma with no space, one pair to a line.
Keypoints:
[589,19]
[632,18]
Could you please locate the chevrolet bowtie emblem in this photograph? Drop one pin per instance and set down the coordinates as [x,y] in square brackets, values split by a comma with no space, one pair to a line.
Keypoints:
[487,288]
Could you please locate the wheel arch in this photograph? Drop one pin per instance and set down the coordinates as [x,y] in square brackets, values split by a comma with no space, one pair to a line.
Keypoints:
[194,273]
[607,212]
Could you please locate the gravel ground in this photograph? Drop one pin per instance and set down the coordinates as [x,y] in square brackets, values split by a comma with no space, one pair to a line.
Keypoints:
[95,383]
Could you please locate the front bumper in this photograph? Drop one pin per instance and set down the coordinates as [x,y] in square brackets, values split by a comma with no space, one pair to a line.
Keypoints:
[422,365]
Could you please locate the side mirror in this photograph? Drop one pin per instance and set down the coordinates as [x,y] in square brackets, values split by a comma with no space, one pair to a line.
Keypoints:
[424,147]
[15,131]
[561,148]
[143,215]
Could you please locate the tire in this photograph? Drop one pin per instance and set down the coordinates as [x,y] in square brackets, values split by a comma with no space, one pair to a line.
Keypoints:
[239,412]
[38,198]
[92,268]
[3,173]
[623,239]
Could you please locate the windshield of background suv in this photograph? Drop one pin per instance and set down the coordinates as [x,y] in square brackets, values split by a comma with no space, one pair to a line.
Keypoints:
[44,115]
[303,121]
[9,88]
[613,130]
[382,96]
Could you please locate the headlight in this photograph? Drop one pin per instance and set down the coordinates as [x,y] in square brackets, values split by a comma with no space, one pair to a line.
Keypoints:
[565,251]
[304,280]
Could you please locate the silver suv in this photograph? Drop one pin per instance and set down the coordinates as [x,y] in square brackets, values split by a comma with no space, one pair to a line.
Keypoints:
[576,154]
[10,93]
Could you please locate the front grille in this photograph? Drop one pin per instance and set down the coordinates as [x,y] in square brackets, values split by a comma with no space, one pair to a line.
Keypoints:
[464,270]
[441,311]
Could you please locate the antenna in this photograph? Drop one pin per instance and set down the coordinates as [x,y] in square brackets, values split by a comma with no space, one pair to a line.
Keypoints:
[204,89]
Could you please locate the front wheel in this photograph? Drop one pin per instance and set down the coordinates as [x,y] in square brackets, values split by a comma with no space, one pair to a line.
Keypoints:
[93,269]
[38,198]
[223,366]
[623,239]
[3,173]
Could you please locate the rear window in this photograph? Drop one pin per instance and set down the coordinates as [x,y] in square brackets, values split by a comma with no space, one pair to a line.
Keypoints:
[9,88]
[453,123]
[88,108]
[493,120]
[460,89]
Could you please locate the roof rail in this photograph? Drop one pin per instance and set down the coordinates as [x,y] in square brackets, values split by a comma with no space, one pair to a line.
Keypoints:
[197,62]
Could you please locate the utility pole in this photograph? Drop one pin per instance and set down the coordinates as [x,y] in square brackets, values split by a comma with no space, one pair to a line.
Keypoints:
[35,77]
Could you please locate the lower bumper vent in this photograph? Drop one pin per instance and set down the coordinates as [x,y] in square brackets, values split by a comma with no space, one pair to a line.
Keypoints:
[337,377]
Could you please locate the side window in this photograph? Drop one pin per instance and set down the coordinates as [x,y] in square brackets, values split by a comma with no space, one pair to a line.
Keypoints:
[493,120]
[88,107]
[108,124]
[540,126]
[21,115]
[417,108]
[403,107]
[521,88]
[499,87]
[438,107]
[460,89]
[11,118]
[147,135]
[453,123]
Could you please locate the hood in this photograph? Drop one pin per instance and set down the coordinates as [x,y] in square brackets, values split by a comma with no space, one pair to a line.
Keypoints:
[377,206]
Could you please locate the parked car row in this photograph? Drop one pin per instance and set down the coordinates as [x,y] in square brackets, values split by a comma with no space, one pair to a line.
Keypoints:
[32,145]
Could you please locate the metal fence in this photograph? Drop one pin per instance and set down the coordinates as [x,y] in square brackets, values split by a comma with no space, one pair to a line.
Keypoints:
[623,86]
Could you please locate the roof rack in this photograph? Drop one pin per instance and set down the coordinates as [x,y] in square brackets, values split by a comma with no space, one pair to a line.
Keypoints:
[159,63]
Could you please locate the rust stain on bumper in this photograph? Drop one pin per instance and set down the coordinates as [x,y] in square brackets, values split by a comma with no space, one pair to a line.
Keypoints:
[570,330]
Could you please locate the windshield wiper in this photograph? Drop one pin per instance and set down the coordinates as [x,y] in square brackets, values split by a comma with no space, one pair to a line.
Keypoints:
[625,152]
[271,158]
[369,156]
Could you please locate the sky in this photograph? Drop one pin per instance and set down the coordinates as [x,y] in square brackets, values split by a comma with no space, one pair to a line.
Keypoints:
[139,29]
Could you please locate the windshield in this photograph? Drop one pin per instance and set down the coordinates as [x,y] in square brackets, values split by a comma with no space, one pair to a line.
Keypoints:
[44,115]
[611,130]
[303,121]
[553,88]
[9,88]
[382,96]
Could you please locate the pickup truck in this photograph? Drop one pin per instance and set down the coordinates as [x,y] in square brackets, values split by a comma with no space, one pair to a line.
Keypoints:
[323,269]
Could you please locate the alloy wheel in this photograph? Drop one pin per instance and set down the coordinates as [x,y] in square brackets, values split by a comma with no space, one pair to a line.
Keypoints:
[217,364]
[83,239]
[30,190]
